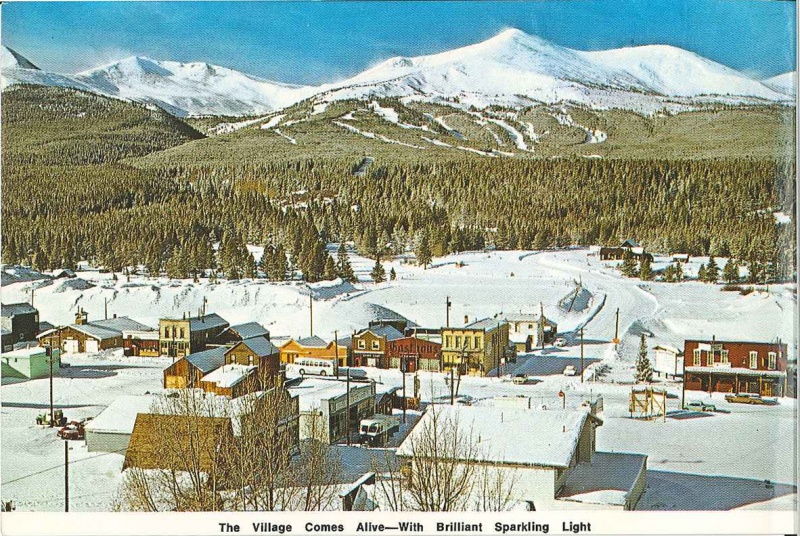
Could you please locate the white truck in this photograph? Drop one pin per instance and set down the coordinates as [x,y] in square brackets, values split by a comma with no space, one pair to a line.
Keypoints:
[376,430]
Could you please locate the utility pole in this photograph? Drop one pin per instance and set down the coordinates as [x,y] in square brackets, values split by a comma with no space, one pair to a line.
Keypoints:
[403,370]
[616,331]
[105,307]
[581,355]
[447,305]
[452,386]
[51,360]
[66,475]
[310,312]
[347,413]
[33,292]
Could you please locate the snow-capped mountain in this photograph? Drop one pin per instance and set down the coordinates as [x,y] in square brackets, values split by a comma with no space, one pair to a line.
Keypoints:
[514,64]
[512,68]
[785,83]
[11,59]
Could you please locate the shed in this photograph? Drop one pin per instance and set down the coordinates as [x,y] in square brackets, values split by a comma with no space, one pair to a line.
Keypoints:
[28,363]
[111,430]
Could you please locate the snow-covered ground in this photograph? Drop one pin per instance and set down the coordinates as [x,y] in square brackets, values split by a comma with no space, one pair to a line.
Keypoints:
[688,459]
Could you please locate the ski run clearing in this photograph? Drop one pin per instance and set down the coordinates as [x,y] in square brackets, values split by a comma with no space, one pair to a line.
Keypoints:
[687,469]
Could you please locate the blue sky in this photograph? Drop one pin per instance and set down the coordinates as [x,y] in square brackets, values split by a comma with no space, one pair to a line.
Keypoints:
[309,43]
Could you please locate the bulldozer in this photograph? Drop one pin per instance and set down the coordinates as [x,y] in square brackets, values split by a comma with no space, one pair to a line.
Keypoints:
[58,418]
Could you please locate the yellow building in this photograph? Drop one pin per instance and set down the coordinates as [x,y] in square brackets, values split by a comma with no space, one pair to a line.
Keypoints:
[475,348]
[312,347]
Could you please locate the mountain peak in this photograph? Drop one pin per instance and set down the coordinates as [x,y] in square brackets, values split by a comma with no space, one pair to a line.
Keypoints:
[11,59]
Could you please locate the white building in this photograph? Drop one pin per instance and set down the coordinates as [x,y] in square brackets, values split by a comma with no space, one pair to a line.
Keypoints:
[323,405]
[668,361]
[549,455]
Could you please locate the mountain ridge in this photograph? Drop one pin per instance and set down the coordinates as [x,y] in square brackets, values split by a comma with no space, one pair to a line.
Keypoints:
[512,68]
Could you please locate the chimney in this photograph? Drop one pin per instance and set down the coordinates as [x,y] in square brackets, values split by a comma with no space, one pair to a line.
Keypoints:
[466,319]
[184,315]
[115,315]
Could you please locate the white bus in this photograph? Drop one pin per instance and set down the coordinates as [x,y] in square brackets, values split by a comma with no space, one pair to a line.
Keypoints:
[309,365]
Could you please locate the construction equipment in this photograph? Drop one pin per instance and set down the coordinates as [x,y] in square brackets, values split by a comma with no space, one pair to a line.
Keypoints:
[58,420]
[74,430]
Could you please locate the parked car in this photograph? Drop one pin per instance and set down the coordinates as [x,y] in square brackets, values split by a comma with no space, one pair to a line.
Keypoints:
[745,398]
[520,379]
[570,370]
[560,342]
[73,431]
[699,405]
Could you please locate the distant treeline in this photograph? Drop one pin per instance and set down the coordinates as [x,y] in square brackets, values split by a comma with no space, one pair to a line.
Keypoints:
[59,208]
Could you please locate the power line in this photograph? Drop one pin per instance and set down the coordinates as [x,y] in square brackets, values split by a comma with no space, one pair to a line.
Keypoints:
[61,465]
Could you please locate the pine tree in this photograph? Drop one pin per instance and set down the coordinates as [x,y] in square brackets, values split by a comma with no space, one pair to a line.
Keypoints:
[701,273]
[679,272]
[730,274]
[378,273]
[628,266]
[645,271]
[330,269]
[343,268]
[712,270]
[423,251]
[392,274]
[644,370]
[669,274]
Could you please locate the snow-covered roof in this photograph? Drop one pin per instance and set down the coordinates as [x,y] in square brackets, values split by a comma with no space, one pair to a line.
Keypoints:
[609,479]
[25,353]
[389,332]
[486,323]
[120,416]
[121,323]
[737,370]
[519,337]
[312,342]
[227,376]
[631,243]
[259,345]
[668,348]
[11,309]
[208,360]
[97,332]
[500,435]
[209,321]
[249,330]
[313,391]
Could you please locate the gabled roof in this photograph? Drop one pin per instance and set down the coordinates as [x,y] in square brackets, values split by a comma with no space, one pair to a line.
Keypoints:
[389,332]
[526,317]
[495,432]
[209,321]
[312,342]
[121,323]
[630,243]
[259,346]
[12,309]
[208,360]
[229,375]
[96,332]
[249,330]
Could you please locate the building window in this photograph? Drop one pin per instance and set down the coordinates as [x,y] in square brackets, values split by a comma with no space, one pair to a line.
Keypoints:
[361,344]
[753,360]
[710,359]
[182,333]
[696,355]
[724,356]
[530,326]
[458,341]
[376,345]
[447,340]
[772,358]
[166,332]
[467,342]
[477,342]
[249,360]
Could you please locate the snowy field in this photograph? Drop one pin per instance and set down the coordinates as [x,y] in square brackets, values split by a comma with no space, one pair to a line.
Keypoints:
[690,460]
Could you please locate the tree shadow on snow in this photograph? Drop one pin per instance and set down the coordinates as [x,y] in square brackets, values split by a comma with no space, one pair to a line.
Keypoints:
[685,491]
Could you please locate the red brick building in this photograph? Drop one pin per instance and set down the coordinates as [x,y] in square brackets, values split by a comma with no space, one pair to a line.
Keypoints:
[735,367]
[417,353]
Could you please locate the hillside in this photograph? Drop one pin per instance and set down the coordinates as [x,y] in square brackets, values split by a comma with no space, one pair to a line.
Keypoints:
[394,130]
[59,126]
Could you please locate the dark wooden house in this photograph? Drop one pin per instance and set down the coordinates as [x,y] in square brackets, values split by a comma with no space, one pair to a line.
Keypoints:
[19,322]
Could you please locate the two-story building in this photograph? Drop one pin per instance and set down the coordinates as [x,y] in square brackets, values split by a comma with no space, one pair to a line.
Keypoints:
[257,352]
[529,331]
[183,336]
[90,337]
[735,367]
[19,322]
[369,346]
[413,353]
[476,348]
